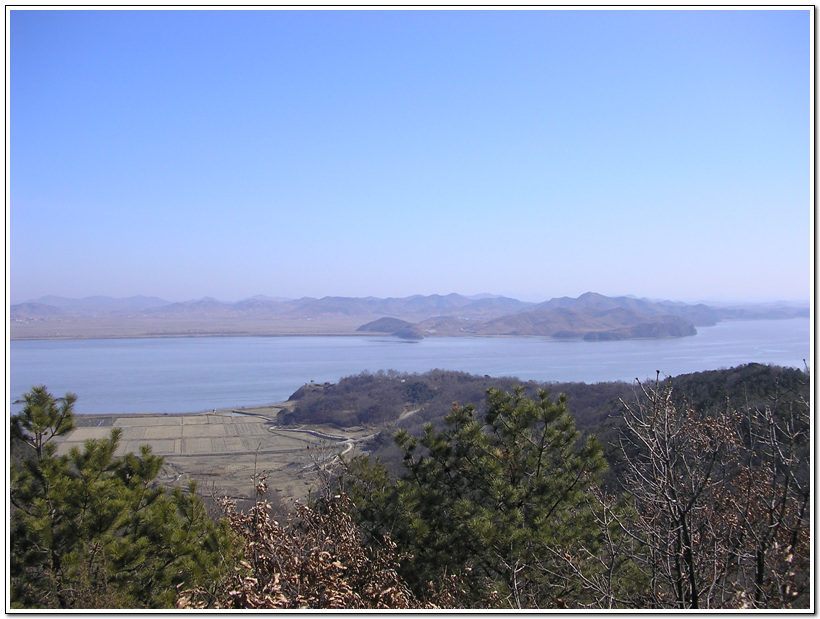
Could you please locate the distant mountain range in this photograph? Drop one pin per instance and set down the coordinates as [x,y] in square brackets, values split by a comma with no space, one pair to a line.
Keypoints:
[417,306]
[89,305]
[591,316]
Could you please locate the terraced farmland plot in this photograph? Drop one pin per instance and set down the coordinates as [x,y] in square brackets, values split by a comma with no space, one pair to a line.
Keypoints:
[194,434]
[221,451]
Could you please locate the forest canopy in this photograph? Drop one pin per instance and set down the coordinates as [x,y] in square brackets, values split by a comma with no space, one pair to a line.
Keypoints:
[678,493]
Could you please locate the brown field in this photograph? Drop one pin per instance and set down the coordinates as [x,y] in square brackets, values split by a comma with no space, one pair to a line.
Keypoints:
[83,327]
[221,451]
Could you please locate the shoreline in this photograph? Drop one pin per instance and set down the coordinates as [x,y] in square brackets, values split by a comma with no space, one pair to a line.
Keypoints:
[343,332]
[72,338]
[173,336]
[264,410]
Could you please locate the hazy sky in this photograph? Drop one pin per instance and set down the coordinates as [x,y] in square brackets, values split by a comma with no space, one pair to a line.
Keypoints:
[534,153]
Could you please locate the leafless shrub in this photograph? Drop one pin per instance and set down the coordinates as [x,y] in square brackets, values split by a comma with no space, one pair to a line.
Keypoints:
[722,503]
[315,559]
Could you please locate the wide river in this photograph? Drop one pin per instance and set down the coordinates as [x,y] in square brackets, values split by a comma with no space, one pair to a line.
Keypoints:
[180,375]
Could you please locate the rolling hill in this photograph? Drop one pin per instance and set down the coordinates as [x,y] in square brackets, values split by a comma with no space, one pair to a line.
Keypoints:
[591,316]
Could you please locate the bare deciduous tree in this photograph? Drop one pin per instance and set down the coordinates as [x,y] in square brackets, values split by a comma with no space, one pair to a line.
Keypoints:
[722,502]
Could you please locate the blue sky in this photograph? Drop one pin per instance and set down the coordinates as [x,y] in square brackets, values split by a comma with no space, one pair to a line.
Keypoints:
[535,154]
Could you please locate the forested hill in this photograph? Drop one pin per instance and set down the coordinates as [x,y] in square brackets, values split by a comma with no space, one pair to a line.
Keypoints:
[400,400]
[390,397]
[409,400]
[688,492]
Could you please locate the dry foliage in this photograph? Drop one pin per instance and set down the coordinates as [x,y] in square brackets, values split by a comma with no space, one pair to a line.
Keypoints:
[315,559]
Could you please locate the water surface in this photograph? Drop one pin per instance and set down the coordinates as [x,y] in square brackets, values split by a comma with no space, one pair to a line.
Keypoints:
[176,375]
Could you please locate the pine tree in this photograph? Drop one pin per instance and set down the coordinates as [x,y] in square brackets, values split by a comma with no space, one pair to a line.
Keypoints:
[485,500]
[89,530]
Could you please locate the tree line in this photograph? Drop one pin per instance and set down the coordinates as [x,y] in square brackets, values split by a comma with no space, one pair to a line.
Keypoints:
[506,502]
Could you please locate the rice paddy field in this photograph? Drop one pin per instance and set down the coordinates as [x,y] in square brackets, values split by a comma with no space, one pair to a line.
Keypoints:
[223,450]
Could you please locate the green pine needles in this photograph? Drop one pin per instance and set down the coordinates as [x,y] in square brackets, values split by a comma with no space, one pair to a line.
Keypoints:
[484,500]
[90,530]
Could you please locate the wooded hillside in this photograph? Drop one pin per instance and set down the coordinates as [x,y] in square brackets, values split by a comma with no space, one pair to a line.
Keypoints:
[689,492]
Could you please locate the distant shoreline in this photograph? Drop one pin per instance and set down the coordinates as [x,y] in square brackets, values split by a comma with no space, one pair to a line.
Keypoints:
[51,338]
[591,317]
[292,334]
[264,410]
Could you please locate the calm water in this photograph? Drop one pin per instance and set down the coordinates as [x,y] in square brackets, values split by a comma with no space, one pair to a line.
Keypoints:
[196,374]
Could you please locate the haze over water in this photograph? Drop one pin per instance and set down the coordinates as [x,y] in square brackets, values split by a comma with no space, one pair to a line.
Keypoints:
[179,375]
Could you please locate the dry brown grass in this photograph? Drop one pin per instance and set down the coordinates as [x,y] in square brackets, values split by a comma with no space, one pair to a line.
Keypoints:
[88,327]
